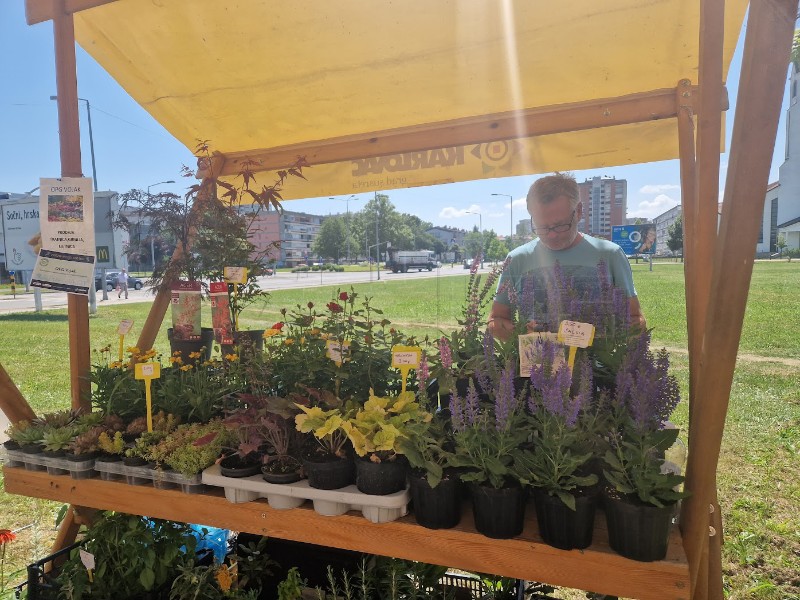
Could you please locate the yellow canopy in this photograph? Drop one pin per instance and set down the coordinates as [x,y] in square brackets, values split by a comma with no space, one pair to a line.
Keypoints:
[380,94]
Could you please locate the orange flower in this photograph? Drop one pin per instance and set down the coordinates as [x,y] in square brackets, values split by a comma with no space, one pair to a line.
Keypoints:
[6,536]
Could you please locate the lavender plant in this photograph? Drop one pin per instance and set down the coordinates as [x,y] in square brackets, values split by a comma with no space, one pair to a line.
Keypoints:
[646,394]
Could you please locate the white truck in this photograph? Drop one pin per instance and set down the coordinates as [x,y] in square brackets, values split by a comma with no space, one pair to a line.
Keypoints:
[400,261]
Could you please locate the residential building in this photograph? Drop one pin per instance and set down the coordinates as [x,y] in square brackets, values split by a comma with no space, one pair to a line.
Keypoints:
[295,231]
[663,222]
[605,204]
[448,235]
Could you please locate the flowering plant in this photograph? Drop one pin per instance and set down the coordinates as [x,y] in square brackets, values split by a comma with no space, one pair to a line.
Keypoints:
[646,394]
[6,537]
[489,434]
[558,459]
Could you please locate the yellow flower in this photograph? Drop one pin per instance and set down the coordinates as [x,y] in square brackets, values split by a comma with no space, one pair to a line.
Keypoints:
[224,578]
[208,363]
[194,355]
[288,341]
[316,331]
[106,349]
[175,360]
[133,350]
[231,357]
[186,368]
[302,340]
[115,365]
[176,353]
[270,332]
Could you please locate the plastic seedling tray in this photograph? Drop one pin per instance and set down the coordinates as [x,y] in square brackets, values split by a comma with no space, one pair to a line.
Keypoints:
[378,509]
[145,475]
[54,465]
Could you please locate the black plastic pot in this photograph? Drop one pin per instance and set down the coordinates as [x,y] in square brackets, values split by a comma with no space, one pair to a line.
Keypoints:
[562,527]
[187,347]
[499,513]
[638,531]
[31,448]
[330,474]
[438,507]
[134,461]
[381,478]
[280,478]
[236,466]
[245,343]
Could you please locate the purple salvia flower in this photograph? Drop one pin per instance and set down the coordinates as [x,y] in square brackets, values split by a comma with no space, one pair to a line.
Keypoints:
[423,373]
[457,412]
[507,288]
[483,378]
[505,400]
[488,347]
[472,406]
[445,353]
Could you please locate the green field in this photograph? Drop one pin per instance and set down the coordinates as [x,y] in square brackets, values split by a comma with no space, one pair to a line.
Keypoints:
[760,461]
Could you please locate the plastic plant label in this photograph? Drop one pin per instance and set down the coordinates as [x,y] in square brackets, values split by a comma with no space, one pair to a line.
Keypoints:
[87,558]
[147,370]
[573,333]
[530,351]
[406,357]
[235,274]
[125,326]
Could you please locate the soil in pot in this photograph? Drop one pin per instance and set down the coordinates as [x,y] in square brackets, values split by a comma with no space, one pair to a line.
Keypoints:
[31,448]
[381,478]
[81,457]
[328,472]
[134,461]
[562,527]
[438,507]
[499,512]
[11,445]
[637,530]
[237,466]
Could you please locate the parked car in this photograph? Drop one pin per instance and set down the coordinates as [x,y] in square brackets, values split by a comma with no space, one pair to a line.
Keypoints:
[134,283]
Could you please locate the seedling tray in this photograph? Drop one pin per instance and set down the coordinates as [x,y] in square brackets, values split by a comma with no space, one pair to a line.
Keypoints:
[54,465]
[378,509]
[147,475]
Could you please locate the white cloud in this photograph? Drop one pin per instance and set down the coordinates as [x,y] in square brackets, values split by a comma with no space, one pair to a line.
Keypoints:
[649,209]
[658,188]
[451,212]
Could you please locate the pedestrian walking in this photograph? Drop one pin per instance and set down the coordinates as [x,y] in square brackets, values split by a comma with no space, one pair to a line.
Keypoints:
[122,284]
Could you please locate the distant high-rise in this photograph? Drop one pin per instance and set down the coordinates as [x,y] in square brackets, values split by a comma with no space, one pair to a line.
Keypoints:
[605,204]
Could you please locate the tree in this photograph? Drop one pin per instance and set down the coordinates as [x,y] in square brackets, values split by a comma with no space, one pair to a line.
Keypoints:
[675,233]
[332,239]
[781,244]
[497,249]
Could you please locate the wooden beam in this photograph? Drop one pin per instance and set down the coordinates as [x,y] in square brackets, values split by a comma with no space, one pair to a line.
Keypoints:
[597,568]
[12,402]
[634,108]
[38,11]
[768,41]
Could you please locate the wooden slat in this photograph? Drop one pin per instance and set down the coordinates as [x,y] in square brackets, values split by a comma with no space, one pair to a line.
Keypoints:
[766,54]
[634,108]
[38,11]
[12,402]
[596,568]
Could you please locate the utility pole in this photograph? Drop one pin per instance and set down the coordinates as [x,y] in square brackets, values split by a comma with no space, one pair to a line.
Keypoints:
[377,239]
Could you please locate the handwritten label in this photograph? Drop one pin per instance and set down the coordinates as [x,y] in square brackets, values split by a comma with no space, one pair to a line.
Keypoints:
[573,333]
[235,274]
[125,326]
[147,370]
[337,352]
[406,357]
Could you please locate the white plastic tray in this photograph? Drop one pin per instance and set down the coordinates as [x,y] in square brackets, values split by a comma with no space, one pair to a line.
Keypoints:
[378,509]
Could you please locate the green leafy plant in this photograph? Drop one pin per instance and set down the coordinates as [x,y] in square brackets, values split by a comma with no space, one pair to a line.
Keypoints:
[291,588]
[114,387]
[429,447]
[323,416]
[190,448]
[193,392]
[56,440]
[26,433]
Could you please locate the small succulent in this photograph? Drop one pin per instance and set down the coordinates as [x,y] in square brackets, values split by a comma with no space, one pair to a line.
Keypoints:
[58,419]
[111,443]
[56,440]
[87,441]
[26,432]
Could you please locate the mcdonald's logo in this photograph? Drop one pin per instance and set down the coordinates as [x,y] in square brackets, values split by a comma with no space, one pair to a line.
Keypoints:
[102,254]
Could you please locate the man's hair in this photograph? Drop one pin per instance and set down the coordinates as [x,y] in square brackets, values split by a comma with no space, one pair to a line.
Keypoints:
[547,189]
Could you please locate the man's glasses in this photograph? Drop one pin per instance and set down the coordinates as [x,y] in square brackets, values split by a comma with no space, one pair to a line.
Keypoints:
[560,228]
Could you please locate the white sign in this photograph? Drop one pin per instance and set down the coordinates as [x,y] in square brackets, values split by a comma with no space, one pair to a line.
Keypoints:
[64,272]
[66,215]
[579,335]
[125,326]
[22,237]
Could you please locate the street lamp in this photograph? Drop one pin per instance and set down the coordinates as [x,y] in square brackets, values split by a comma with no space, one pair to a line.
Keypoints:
[152,238]
[347,200]
[511,212]
[91,138]
[480,218]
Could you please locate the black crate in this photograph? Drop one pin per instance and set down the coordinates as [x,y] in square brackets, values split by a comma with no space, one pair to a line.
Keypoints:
[41,583]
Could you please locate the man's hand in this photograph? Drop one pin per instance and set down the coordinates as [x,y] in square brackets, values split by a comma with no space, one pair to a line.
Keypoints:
[500,324]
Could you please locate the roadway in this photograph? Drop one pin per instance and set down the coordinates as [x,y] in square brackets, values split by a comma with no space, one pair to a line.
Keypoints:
[280,281]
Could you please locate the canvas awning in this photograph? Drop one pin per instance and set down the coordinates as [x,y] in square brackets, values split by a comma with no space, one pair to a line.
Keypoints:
[380,95]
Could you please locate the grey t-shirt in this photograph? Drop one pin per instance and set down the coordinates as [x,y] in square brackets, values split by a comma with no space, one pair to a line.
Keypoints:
[536,273]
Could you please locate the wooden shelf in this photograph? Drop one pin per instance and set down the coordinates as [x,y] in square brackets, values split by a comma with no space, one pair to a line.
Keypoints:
[597,568]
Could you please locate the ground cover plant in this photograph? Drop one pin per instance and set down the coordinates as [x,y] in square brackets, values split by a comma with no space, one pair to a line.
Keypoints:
[760,461]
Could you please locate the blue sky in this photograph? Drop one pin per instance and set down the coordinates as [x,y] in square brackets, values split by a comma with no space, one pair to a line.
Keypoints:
[133,151]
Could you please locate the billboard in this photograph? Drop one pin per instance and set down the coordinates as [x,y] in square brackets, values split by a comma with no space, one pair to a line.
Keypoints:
[22,238]
[635,239]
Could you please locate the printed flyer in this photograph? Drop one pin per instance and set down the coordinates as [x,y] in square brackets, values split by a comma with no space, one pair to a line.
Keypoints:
[221,313]
[186,310]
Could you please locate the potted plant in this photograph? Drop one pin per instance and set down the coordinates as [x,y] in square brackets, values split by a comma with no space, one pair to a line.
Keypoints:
[115,391]
[281,462]
[642,494]
[26,436]
[193,391]
[191,447]
[377,431]
[325,458]
[489,436]
[557,463]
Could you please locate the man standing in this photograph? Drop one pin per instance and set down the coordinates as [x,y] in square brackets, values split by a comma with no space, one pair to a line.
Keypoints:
[122,284]
[555,209]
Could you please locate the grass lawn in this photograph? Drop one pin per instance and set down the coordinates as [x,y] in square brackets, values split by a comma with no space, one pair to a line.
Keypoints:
[759,465]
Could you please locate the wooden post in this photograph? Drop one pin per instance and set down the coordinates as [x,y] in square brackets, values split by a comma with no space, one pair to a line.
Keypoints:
[770,29]
[70,143]
[12,402]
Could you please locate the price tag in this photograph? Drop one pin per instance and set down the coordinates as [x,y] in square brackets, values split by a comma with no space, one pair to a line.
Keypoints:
[337,352]
[148,371]
[235,274]
[406,358]
[573,333]
[87,558]
[123,330]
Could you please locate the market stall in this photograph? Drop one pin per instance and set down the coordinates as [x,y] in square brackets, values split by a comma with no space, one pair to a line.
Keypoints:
[486,90]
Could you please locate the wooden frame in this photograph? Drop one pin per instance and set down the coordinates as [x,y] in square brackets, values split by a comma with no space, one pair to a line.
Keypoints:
[718,270]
